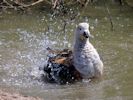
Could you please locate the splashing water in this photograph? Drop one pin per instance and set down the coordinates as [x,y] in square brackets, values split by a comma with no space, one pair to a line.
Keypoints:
[23,51]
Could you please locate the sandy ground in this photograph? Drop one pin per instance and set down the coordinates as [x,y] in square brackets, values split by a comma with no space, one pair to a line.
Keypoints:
[15,96]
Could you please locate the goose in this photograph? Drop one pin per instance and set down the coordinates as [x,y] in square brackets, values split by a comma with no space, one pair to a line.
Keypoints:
[83,62]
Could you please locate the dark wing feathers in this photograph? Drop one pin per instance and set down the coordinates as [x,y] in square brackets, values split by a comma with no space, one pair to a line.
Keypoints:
[60,67]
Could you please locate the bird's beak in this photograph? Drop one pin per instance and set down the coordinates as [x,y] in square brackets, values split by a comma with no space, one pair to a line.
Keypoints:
[87,34]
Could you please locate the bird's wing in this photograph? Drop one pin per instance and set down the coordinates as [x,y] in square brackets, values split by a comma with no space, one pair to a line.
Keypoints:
[62,57]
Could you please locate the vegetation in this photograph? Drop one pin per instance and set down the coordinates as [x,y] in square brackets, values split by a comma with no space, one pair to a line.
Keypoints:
[59,7]
[52,4]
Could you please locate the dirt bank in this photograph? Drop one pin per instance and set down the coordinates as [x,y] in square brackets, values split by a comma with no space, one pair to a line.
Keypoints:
[15,96]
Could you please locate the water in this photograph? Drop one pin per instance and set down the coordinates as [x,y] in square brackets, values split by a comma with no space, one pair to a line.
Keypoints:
[25,37]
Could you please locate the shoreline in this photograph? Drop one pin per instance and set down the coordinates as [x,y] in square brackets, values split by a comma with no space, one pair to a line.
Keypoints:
[6,95]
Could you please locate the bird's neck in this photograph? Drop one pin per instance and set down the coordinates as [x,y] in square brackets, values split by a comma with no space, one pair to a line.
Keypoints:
[81,44]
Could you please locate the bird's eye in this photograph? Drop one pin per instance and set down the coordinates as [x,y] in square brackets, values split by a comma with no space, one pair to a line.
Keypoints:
[79,28]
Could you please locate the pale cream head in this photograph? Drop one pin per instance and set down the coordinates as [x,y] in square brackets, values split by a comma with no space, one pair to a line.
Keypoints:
[82,31]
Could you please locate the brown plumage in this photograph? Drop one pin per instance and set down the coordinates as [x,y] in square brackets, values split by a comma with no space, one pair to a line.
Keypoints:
[60,67]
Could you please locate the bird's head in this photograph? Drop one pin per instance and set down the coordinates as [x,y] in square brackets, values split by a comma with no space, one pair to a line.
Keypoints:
[82,31]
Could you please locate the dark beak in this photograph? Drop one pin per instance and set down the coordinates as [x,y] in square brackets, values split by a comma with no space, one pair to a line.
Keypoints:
[87,35]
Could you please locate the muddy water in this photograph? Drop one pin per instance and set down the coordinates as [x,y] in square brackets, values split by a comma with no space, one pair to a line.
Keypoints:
[25,37]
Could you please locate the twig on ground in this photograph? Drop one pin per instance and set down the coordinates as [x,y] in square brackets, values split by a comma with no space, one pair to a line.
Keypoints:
[32,4]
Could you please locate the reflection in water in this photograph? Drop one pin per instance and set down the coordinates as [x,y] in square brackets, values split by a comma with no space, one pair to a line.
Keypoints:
[23,50]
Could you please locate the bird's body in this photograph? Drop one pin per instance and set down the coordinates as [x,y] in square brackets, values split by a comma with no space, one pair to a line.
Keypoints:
[85,57]
[60,67]
[82,62]
[86,60]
